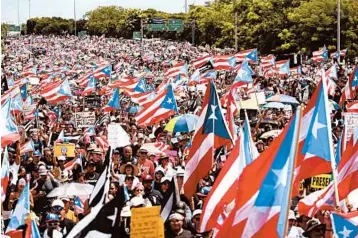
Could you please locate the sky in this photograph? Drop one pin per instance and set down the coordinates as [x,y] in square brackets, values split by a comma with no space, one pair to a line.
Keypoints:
[65,8]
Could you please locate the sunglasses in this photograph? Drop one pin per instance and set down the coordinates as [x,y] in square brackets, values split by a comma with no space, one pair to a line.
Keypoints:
[139,190]
[52,224]
[57,208]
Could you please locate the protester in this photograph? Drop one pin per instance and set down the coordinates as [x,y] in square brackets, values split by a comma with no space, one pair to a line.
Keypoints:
[64,150]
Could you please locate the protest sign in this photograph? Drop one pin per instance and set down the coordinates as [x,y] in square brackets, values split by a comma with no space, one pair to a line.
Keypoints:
[92,101]
[84,119]
[350,121]
[67,150]
[146,223]
[258,97]
[320,181]
[117,136]
[29,109]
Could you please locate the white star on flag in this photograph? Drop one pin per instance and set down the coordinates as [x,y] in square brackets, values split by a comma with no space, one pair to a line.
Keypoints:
[213,116]
[345,232]
[316,127]
[281,175]
[170,100]
[355,78]
[113,217]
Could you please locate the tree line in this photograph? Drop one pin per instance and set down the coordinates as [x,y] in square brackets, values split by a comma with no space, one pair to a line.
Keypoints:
[272,26]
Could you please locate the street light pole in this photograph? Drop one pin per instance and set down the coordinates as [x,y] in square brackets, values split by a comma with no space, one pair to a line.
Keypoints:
[339,29]
[235,31]
[74,13]
[193,32]
[29,9]
[18,16]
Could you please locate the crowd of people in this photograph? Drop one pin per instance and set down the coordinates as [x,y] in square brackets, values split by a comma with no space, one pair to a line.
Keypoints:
[153,163]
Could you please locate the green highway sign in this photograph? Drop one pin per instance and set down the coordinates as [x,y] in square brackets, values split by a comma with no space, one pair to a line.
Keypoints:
[175,25]
[137,35]
[157,27]
[13,28]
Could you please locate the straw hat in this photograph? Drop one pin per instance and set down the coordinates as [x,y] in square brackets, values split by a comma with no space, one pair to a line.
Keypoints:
[123,168]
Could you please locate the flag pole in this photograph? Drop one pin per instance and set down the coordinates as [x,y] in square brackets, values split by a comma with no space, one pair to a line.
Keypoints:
[300,111]
[330,141]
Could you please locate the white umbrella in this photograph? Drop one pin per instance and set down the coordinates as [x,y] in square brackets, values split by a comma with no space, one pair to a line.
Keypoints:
[71,189]
[273,133]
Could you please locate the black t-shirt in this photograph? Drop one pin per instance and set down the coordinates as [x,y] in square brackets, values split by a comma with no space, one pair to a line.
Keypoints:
[66,226]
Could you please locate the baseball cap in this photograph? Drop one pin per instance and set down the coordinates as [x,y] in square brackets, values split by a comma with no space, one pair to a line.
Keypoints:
[57,203]
[37,153]
[164,179]
[137,201]
[51,217]
[197,212]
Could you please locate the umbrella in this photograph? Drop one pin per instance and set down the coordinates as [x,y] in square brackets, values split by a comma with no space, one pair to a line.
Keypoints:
[273,133]
[71,189]
[283,98]
[277,105]
[133,109]
[182,123]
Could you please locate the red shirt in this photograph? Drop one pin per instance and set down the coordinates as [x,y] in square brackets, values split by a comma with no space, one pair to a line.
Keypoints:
[146,168]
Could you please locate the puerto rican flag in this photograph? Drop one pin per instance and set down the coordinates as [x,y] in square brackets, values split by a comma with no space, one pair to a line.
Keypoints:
[225,187]
[296,70]
[91,87]
[315,149]
[282,67]
[267,61]
[102,142]
[249,55]
[320,55]
[78,205]
[4,174]
[27,147]
[348,91]
[224,62]
[178,69]
[352,107]
[9,132]
[347,182]
[29,72]
[10,94]
[83,81]
[56,91]
[212,133]
[103,72]
[202,60]
[263,190]
[162,107]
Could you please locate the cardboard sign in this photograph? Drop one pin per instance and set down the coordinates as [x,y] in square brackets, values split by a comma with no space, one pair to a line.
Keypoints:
[28,109]
[92,101]
[146,223]
[259,97]
[350,121]
[84,119]
[67,150]
[320,181]
[117,136]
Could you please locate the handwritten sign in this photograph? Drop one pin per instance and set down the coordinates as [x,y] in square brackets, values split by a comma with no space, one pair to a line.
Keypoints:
[146,223]
[350,121]
[117,136]
[28,109]
[320,181]
[84,119]
[67,150]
